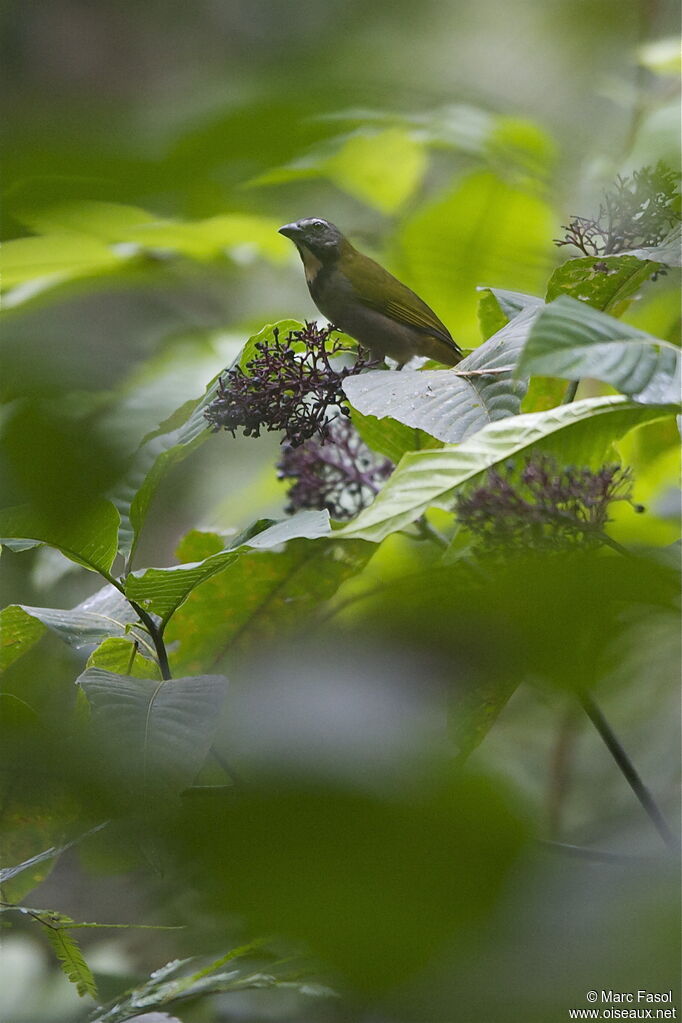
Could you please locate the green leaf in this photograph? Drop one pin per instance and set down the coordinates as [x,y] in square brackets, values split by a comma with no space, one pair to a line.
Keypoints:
[449,404]
[237,234]
[104,614]
[266,333]
[19,631]
[605,283]
[56,257]
[389,437]
[122,657]
[382,168]
[511,303]
[572,340]
[257,598]
[483,231]
[579,433]
[163,590]
[88,538]
[70,957]
[490,315]
[156,734]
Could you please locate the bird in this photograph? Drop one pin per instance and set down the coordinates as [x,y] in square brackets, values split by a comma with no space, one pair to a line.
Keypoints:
[361,298]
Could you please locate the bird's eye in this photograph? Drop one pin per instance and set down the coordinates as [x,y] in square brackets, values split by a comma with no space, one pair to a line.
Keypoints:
[318,224]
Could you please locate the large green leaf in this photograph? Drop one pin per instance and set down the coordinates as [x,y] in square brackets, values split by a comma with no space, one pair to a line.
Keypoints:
[483,232]
[449,404]
[88,537]
[56,257]
[257,598]
[578,433]
[572,340]
[156,734]
[606,283]
[84,238]
[163,590]
[380,167]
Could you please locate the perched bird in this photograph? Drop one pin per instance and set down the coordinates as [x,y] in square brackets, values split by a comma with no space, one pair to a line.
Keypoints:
[361,298]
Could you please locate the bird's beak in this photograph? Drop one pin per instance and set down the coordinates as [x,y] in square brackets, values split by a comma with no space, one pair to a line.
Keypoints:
[290,230]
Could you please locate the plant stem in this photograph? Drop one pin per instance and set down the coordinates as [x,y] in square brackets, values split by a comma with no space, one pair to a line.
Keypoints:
[628,769]
[570,392]
[154,630]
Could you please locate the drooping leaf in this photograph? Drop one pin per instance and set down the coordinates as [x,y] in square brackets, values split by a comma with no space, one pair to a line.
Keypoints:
[156,734]
[163,590]
[88,538]
[105,614]
[257,598]
[579,433]
[572,340]
[449,404]
[70,956]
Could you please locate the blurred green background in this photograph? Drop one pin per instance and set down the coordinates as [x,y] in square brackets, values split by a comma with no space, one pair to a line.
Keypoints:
[449,139]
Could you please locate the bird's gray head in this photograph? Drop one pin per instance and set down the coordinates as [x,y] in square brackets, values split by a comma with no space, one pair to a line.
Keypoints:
[318,236]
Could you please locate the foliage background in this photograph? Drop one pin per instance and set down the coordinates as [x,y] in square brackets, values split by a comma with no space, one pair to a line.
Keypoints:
[451,140]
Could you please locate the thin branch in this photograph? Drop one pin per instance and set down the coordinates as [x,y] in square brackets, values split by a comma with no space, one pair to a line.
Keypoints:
[582,852]
[628,769]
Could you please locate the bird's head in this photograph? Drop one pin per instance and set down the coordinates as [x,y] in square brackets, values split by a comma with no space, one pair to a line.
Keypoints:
[322,239]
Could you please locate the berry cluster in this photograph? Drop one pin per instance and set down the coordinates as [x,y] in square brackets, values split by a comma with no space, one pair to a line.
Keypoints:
[289,385]
[543,506]
[339,473]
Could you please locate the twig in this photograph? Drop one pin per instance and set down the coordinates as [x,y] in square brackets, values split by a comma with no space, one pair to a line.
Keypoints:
[628,769]
[582,852]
